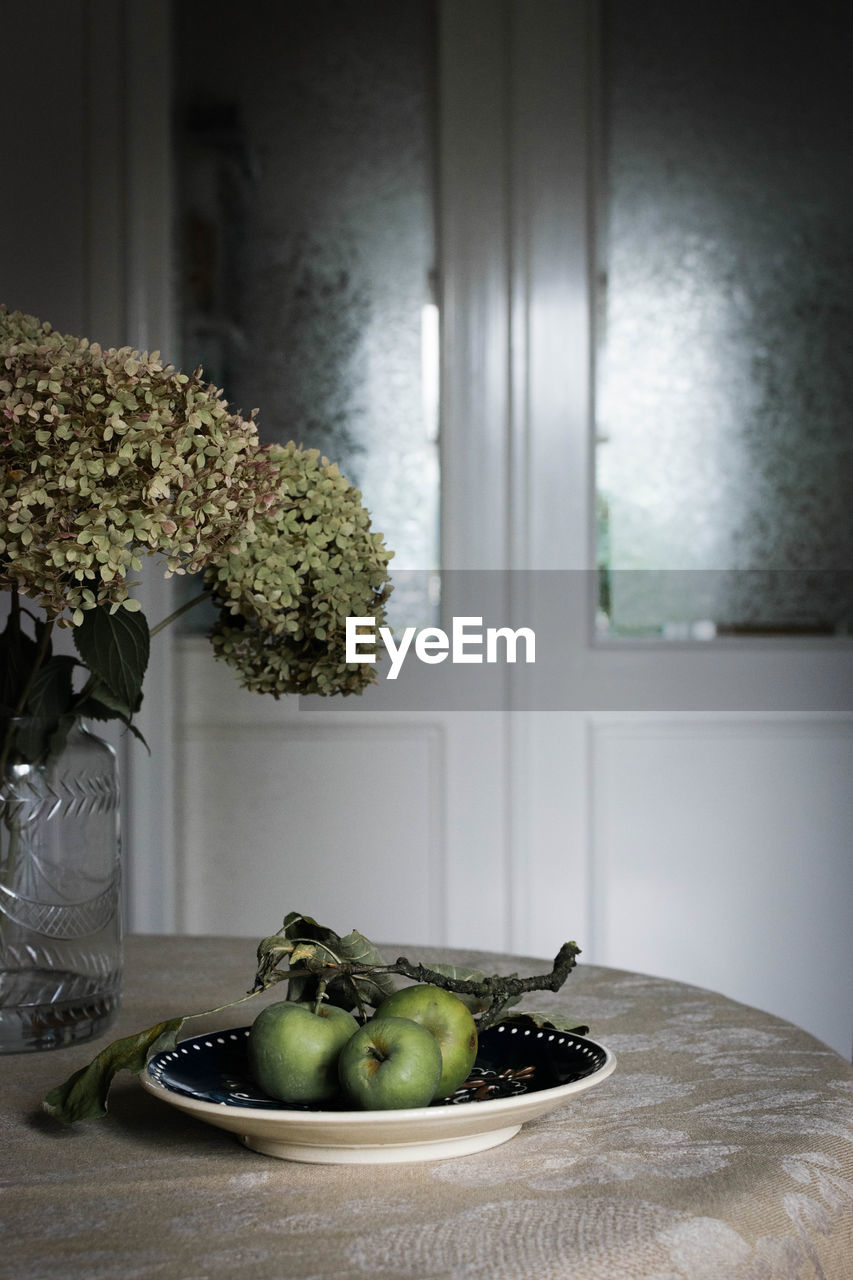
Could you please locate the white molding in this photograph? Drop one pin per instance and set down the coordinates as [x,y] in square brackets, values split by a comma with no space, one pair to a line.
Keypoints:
[549,103]
[106,171]
[514,232]
[550,451]
[516,453]
[474,257]
[150,200]
[516,466]
[720,723]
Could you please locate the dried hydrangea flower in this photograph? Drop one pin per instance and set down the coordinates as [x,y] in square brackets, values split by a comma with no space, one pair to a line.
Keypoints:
[107,454]
[285,597]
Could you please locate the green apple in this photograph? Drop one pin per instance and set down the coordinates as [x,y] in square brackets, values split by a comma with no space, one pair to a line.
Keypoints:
[293,1050]
[450,1022]
[390,1063]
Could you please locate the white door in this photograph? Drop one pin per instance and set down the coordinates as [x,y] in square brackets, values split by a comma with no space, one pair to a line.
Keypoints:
[675,809]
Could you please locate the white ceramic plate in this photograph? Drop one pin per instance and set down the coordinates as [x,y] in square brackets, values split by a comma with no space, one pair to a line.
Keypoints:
[523,1073]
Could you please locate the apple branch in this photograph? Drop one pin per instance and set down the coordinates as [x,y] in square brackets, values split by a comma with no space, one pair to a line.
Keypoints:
[494,992]
[498,991]
[319,962]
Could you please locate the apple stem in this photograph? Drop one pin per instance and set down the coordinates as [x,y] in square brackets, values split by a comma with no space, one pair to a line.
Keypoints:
[321,995]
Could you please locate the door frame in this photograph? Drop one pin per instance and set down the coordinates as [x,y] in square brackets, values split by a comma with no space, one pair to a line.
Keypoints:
[141,268]
[516,176]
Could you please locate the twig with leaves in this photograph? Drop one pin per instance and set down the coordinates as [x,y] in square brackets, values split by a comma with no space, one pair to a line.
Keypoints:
[317,964]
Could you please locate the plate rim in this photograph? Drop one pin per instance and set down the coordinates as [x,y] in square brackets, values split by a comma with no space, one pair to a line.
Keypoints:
[487,1108]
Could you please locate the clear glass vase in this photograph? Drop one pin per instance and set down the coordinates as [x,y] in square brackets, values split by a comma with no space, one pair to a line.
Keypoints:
[60,885]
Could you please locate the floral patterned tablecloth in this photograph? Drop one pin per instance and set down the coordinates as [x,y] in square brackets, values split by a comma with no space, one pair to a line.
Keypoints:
[720,1149]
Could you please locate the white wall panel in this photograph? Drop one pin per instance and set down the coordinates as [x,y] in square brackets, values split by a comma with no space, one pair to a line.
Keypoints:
[392,823]
[722,854]
[339,822]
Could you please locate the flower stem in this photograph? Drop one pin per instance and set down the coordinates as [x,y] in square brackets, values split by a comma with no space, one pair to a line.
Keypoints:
[41,653]
[190,604]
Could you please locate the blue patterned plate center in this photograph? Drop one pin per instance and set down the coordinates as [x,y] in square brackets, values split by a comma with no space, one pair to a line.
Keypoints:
[513,1058]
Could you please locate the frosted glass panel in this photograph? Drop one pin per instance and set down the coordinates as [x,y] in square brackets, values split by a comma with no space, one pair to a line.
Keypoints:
[306,160]
[725,333]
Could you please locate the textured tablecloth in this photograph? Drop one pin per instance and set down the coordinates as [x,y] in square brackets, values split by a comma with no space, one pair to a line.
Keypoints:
[720,1149]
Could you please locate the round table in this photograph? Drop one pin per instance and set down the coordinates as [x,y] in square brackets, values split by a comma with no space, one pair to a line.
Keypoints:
[720,1149]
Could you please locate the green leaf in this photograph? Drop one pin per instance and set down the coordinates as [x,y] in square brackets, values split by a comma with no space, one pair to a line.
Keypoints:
[310,955]
[310,941]
[17,656]
[30,742]
[314,947]
[51,693]
[298,928]
[101,705]
[296,924]
[115,648]
[47,716]
[83,1096]
[271,951]
[92,709]
[368,988]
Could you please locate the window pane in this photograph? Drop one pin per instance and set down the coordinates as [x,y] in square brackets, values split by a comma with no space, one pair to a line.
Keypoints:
[725,342]
[305,164]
